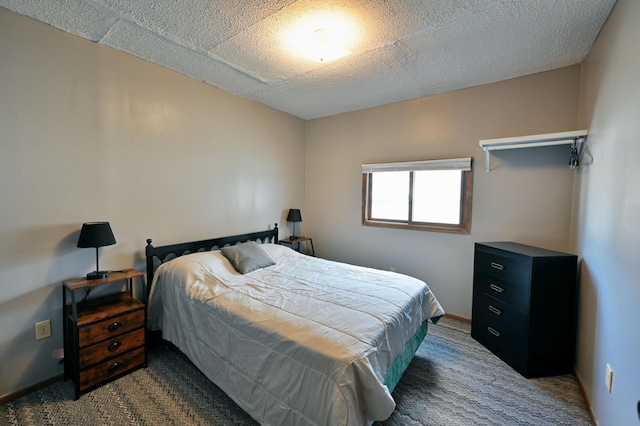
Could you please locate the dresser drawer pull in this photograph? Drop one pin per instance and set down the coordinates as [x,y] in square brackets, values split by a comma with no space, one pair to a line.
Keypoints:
[115,345]
[113,367]
[494,331]
[113,327]
[495,310]
[496,288]
[497,266]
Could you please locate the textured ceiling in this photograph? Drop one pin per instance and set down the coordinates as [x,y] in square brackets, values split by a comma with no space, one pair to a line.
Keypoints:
[403,50]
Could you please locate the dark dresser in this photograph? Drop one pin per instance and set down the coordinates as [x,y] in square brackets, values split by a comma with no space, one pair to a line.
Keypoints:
[524,306]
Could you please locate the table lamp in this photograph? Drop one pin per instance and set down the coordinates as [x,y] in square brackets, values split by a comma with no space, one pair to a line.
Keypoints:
[96,234]
[294,216]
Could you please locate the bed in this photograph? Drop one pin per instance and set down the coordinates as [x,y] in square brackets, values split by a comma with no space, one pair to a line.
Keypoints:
[294,339]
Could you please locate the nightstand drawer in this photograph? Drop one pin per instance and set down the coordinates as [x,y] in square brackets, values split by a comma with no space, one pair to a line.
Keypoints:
[111,368]
[502,267]
[110,327]
[511,293]
[111,347]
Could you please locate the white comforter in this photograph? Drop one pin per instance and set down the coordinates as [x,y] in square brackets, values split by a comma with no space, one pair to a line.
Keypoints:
[306,341]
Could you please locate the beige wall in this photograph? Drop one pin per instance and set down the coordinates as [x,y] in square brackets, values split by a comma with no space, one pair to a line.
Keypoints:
[607,226]
[526,198]
[89,133]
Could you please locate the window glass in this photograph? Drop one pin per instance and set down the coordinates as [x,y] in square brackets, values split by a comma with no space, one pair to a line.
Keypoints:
[390,195]
[436,196]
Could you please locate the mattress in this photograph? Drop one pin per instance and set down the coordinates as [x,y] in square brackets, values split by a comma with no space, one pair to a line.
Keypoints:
[306,341]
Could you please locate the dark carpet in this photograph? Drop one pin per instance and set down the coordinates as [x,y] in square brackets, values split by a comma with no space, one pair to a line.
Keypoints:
[453,380]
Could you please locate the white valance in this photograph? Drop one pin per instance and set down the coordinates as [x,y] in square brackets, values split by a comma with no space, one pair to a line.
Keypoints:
[463,164]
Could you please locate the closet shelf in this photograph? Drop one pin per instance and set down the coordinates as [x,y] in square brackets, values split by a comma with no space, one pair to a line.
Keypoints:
[575,138]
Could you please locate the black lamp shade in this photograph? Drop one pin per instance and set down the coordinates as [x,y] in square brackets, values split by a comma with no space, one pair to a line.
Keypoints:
[96,234]
[294,215]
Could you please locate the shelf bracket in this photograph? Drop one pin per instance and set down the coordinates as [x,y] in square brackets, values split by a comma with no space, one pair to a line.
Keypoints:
[487,160]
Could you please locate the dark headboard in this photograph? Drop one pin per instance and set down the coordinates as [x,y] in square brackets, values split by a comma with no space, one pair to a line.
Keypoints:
[158,255]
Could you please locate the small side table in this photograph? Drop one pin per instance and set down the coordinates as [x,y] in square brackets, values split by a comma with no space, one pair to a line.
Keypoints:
[295,244]
[104,338]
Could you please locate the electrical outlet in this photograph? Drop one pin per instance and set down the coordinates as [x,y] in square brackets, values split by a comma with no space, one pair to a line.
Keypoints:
[609,378]
[392,269]
[43,329]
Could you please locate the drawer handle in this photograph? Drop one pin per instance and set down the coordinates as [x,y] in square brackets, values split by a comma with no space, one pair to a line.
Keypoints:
[494,331]
[495,310]
[113,367]
[115,345]
[113,327]
[497,266]
[496,288]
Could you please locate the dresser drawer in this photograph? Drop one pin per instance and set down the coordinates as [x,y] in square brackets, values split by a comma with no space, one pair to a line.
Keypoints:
[499,314]
[111,347]
[501,266]
[110,327]
[508,343]
[111,368]
[511,293]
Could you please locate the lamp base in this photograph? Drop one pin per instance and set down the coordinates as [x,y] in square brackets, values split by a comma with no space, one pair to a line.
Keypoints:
[96,275]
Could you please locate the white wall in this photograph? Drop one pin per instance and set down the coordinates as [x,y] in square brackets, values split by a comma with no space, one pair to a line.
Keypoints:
[526,198]
[607,226]
[89,133]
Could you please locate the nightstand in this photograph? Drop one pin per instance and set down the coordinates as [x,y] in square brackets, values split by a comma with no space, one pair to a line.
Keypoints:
[295,244]
[104,338]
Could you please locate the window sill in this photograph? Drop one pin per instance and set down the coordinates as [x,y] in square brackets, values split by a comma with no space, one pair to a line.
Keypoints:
[453,229]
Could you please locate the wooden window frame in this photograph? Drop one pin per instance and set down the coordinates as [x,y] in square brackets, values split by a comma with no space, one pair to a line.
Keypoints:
[464,227]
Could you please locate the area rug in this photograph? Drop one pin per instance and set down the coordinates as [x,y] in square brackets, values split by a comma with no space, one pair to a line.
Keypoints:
[452,380]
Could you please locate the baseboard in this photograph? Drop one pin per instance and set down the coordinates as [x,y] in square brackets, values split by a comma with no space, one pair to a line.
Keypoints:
[586,398]
[8,397]
[457,318]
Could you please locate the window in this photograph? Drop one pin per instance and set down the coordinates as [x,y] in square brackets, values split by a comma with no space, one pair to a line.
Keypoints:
[432,195]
